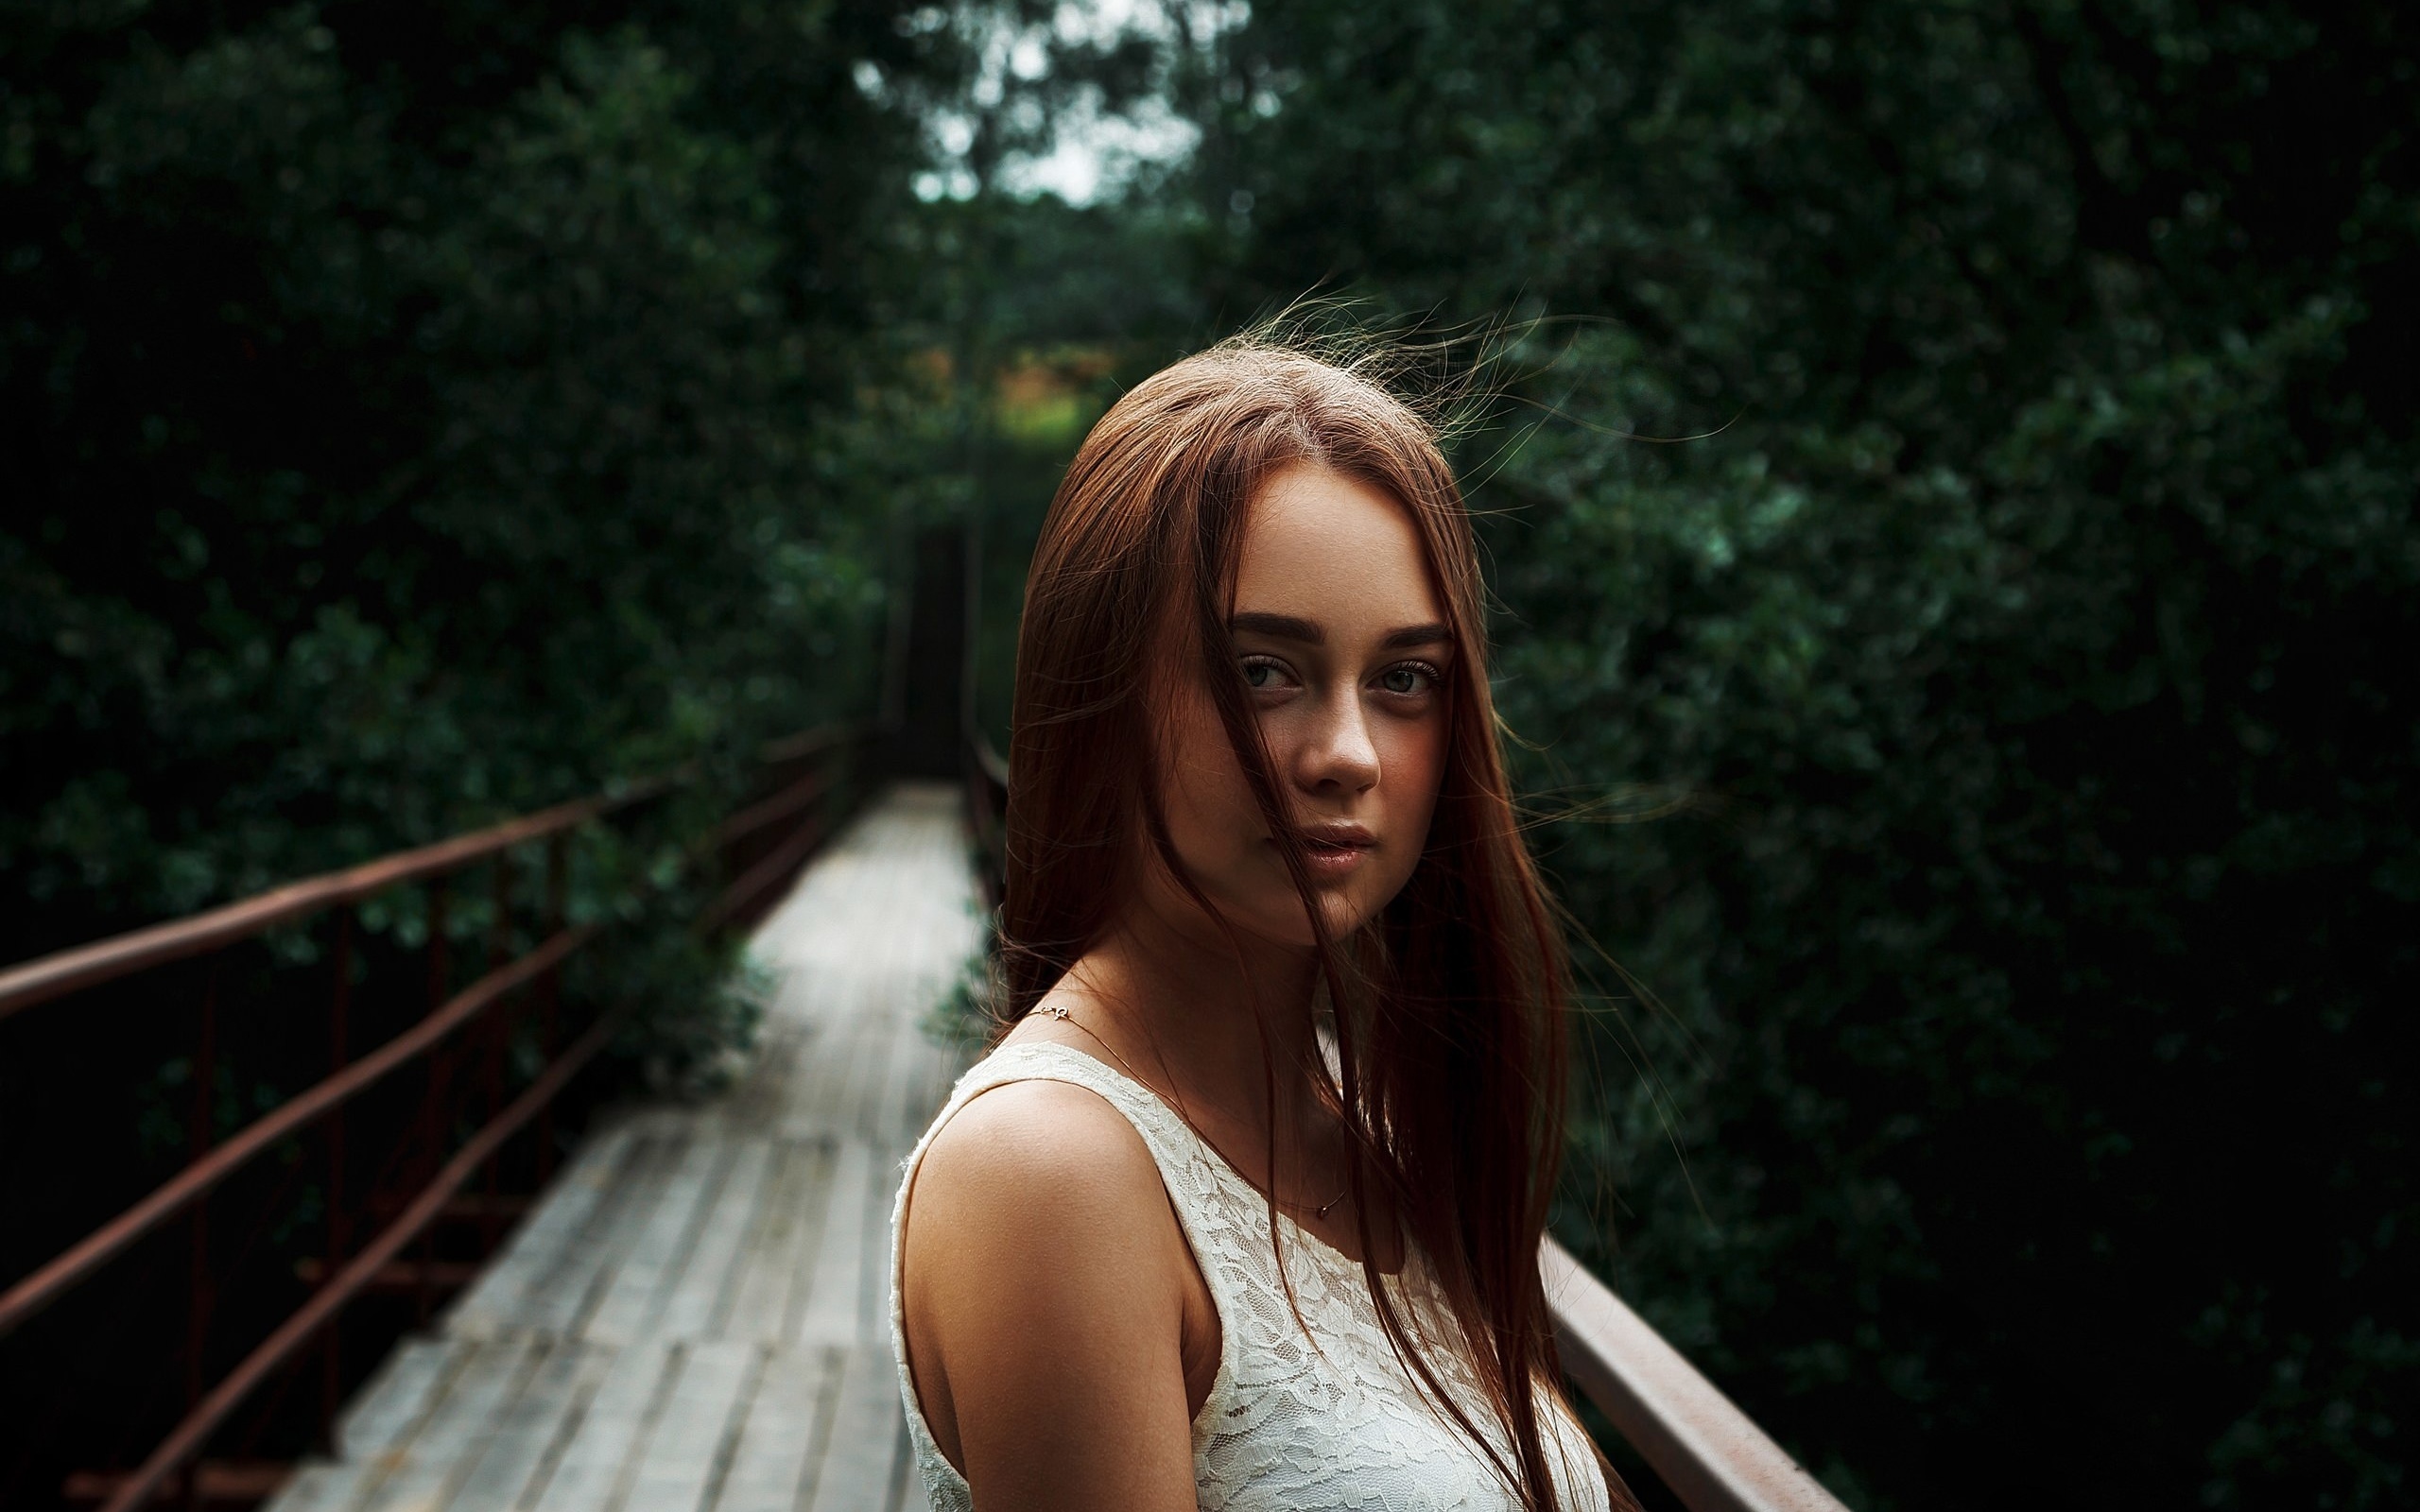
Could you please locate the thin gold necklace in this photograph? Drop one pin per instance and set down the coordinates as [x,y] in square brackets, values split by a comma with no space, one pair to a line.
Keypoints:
[1059,1011]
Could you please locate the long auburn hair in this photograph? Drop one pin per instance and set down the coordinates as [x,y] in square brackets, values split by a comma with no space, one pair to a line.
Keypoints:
[1447,1008]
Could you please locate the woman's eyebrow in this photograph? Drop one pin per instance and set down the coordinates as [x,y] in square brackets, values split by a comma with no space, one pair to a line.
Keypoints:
[1307,632]
[1281,626]
[1413,635]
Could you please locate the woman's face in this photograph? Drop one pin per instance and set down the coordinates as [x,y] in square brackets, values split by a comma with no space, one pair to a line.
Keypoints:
[1344,654]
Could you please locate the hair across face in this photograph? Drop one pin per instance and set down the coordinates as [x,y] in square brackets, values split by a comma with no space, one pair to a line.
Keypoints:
[1342,650]
[1166,717]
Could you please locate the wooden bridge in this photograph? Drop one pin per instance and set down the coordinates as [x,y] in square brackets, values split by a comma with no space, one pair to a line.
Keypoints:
[693,1315]
[694,1320]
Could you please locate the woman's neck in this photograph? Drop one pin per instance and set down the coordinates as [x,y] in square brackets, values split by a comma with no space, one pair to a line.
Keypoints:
[1208,1014]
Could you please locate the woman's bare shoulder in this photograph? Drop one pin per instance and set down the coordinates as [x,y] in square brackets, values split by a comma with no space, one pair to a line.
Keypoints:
[1042,1289]
[1035,1151]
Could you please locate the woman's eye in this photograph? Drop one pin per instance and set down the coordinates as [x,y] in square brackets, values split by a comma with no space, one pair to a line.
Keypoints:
[1408,679]
[1262,673]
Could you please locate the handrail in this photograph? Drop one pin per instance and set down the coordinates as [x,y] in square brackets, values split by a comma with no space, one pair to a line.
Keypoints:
[45,977]
[297,1113]
[752,885]
[1711,1454]
[780,806]
[814,742]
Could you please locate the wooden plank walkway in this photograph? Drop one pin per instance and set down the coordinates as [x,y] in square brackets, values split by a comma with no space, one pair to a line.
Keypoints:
[694,1320]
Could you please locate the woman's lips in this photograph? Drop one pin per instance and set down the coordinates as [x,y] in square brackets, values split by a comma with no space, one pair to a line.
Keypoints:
[1336,850]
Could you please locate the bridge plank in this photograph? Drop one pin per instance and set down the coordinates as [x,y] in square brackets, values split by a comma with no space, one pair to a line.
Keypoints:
[391,1405]
[693,1437]
[706,1276]
[815,1208]
[760,1293]
[390,1408]
[544,1242]
[318,1485]
[423,1468]
[787,1424]
[572,1290]
[869,1430]
[694,1318]
[629,1311]
[533,1426]
[831,1301]
[592,1470]
[873,1077]
[900,1107]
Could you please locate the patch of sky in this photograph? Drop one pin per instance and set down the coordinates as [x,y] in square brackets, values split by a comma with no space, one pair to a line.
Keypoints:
[1080,149]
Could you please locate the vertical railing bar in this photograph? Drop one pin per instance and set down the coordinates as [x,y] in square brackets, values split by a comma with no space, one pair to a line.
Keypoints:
[197,1143]
[439,962]
[550,986]
[339,1222]
[493,1037]
[499,906]
[440,1065]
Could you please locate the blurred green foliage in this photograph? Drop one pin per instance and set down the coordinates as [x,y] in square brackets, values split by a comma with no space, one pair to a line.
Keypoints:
[419,416]
[2010,1097]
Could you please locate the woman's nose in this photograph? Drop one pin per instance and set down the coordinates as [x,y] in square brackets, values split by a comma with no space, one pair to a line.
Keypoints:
[1338,748]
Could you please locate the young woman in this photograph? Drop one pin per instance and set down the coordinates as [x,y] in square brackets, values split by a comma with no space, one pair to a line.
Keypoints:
[1243,1211]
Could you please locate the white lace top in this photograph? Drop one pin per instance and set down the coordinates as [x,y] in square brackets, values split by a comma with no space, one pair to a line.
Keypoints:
[1293,1423]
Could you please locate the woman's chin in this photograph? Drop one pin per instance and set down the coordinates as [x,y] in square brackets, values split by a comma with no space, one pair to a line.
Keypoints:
[1339,913]
[1275,912]
[1285,923]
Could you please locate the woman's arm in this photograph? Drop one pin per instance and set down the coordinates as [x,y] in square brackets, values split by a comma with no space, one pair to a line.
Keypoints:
[1044,1288]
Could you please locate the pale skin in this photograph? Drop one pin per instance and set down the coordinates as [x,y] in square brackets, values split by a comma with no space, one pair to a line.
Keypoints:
[1060,1335]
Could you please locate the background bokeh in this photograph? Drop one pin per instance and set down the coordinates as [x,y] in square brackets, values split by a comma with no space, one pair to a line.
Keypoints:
[1948,471]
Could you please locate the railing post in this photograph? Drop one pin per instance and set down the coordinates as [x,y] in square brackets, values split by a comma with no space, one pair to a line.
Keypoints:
[550,986]
[198,1138]
[440,1061]
[492,1038]
[339,1223]
[440,964]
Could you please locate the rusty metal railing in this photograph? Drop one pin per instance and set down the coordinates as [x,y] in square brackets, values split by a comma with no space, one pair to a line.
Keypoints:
[771,839]
[763,844]
[1709,1452]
